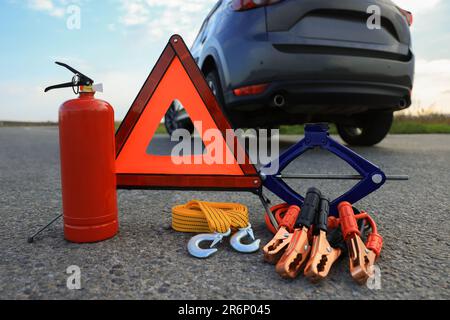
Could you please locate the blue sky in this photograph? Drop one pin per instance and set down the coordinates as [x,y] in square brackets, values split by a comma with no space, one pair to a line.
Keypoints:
[120,40]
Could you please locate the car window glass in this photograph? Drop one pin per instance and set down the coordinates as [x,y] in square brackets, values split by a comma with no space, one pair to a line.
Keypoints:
[212,18]
[214,9]
[207,19]
[201,32]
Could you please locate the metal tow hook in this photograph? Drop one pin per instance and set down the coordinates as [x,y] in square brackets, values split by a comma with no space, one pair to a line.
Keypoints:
[240,235]
[194,244]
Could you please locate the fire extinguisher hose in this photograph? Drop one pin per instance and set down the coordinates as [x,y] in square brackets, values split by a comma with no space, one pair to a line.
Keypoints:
[208,217]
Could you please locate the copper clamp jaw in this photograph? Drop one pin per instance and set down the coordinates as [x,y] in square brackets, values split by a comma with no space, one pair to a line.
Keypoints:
[291,263]
[296,255]
[362,255]
[277,246]
[323,256]
[362,260]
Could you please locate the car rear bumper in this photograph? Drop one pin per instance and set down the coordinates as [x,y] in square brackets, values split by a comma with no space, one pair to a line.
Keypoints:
[326,97]
[347,82]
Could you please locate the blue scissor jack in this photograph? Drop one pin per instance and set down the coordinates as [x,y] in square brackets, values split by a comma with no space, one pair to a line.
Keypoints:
[317,136]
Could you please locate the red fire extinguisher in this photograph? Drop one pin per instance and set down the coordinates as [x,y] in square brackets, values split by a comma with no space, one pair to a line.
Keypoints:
[86,130]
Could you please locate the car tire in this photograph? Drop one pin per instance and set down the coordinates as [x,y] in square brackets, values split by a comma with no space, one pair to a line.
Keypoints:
[171,123]
[213,81]
[374,129]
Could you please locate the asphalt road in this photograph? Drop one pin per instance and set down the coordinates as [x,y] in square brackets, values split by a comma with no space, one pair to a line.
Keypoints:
[149,261]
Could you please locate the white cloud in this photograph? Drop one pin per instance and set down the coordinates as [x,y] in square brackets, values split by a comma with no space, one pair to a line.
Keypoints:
[432,86]
[27,97]
[418,6]
[136,12]
[47,6]
[121,88]
[159,19]
[162,18]
[32,104]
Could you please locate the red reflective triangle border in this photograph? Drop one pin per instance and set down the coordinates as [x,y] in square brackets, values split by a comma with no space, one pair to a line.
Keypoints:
[249,180]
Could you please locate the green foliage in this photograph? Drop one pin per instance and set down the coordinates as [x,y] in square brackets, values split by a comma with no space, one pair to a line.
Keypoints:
[421,124]
[425,124]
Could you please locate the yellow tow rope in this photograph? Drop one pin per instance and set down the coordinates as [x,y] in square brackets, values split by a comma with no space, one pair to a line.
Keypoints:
[208,217]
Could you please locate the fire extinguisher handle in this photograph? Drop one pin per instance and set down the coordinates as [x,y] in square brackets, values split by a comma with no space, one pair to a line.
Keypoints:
[79,79]
[60,86]
[76,72]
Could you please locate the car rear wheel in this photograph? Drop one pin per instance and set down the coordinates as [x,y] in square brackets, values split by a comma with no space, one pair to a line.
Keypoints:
[374,129]
[213,80]
[172,120]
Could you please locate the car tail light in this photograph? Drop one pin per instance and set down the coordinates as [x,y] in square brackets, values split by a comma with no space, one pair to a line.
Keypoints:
[250,90]
[408,16]
[241,5]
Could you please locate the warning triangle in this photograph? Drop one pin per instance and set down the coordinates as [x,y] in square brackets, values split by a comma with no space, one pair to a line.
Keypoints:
[176,76]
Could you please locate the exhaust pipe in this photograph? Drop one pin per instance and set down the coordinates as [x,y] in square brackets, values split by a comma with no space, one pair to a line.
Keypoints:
[279,101]
[403,103]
